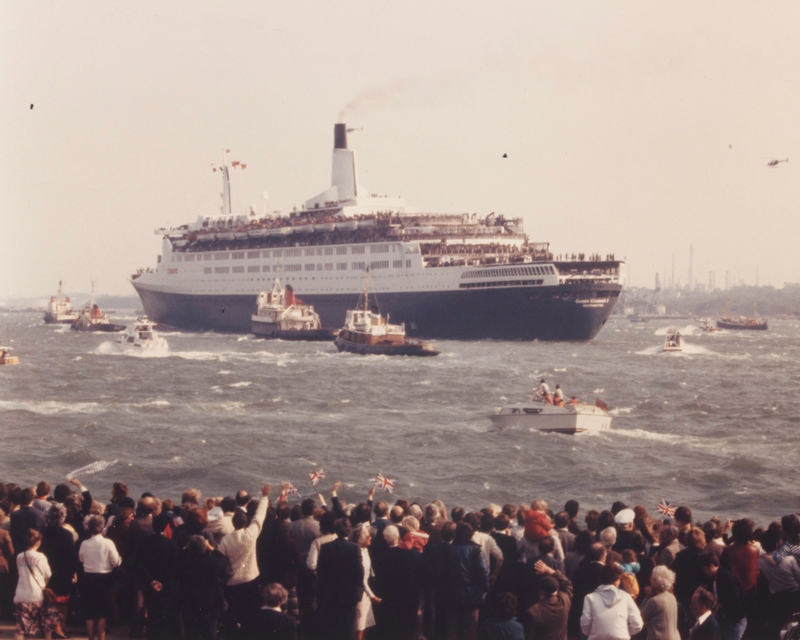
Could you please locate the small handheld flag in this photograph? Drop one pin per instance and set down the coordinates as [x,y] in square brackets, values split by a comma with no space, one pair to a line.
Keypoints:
[291,489]
[665,508]
[384,483]
[316,476]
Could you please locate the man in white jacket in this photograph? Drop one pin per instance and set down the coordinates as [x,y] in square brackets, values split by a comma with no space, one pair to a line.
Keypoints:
[610,613]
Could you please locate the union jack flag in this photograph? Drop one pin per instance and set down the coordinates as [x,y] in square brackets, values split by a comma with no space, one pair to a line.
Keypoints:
[666,508]
[316,476]
[291,490]
[385,483]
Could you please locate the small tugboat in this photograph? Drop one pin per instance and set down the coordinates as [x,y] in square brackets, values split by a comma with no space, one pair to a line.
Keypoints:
[742,322]
[141,336]
[281,315]
[6,358]
[92,319]
[673,341]
[707,324]
[539,415]
[368,332]
[60,311]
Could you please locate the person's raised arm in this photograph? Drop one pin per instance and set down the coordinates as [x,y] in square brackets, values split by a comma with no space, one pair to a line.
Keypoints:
[335,502]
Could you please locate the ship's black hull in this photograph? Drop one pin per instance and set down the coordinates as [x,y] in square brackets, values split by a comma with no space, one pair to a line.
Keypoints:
[103,328]
[761,326]
[564,312]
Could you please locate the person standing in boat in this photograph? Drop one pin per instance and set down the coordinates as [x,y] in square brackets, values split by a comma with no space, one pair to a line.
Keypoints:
[558,396]
[543,390]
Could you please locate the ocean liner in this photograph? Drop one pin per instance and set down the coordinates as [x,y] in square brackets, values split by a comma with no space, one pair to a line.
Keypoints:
[451,276]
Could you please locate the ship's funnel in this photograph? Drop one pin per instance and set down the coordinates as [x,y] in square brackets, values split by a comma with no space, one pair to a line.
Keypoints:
[339,136]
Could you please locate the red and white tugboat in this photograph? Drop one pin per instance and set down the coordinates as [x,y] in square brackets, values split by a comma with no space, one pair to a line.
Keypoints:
[282,315]
[91,318]
[368,332]
[60,311]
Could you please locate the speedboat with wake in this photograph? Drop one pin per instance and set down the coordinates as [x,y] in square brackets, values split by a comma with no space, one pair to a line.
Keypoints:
[539,415]
[6,357]
[673,341]
[141,336]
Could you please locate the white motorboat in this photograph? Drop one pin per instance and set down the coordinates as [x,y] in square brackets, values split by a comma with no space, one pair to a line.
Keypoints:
[141,336]
[673,341]
[539,415]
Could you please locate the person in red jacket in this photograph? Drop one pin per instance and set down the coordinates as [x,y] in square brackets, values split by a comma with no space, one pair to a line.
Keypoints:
[537,524]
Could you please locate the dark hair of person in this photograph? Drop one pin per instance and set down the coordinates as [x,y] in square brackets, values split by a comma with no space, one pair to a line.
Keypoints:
[61,492]
[546,545]
[144,508]
[707,559]
[147,494]
[572,507]
[562,520]
[283,511]
[119,490]
[770,540]
[196,545]
[742,531]
[618,506]
[342,528]
[308,505]
[127,503]
[167,505]
[361,513]
[448,531]
[502,522]
[326,523]
[713,530]
[239,520]
[95,525]
[228,504]
[597,551]
[548,585]
[610,573]
[32,536]
[160,522]
[591,518]
[396,514]
[505,605]
[457,514]
[705,598]
[605,520]
[274,595]
[42,489]
[791,526]
[683,514]
[296,513]
[510,510]
[637,543]
[473,520]
[25,497]
[464,532]
[242,498]
[403,504]
[381,509]
[583,541]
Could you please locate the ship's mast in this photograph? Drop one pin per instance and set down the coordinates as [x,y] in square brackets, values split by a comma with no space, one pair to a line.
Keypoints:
[226,185]
[366,293]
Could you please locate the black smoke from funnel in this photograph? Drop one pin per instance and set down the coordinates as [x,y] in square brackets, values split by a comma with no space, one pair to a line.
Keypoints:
[339,136]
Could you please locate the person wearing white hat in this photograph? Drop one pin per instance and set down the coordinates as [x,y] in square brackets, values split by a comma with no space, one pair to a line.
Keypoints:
[625,530]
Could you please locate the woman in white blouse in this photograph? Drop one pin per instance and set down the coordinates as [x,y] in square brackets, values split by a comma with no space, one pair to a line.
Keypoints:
[34,615]
[99,557]
[364,615]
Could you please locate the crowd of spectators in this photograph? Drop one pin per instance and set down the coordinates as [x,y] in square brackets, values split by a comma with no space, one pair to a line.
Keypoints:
[263,567]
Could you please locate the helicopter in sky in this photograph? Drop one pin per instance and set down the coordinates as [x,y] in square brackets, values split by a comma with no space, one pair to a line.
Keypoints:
[774,163]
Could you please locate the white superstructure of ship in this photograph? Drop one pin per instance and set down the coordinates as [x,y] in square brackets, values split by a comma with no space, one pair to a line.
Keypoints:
[442,275]
[59,310]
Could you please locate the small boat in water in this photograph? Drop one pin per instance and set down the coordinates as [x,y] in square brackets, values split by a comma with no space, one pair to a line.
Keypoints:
[60,311]
[673,341]
[91,318]
[6,357]
[141,336]
[539,415]
[281,315]
[742,322]
[368,332]
[707,324]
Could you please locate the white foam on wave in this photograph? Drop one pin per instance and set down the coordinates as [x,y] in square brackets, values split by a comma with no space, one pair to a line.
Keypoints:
[109,348]
[51,407]
[688,330]
[641,434]
[424,383]
[153,403]
[618,410]
[560,370]
[223,373]
[240,384]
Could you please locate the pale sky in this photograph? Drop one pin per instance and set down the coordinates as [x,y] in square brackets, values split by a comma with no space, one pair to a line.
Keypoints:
[630,128]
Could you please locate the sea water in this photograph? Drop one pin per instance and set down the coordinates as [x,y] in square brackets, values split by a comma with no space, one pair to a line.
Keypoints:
[715,427]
